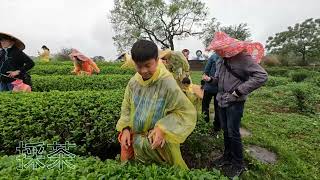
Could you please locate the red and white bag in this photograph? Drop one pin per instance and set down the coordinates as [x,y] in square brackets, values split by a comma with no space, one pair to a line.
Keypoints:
[19,86]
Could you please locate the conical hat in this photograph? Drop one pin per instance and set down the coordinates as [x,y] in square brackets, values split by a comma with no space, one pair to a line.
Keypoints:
[18,43]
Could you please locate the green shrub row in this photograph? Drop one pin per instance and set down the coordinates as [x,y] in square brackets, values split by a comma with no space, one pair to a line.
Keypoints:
[296,97]
[66,69]
[87,118]
[91,168]
[277,81]
[70,63]
[77,83]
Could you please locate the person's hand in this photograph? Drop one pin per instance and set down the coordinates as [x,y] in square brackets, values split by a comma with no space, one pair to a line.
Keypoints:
[13,74]
[204,76]
[126,138]
[207,78]
[156,138]
[231,97]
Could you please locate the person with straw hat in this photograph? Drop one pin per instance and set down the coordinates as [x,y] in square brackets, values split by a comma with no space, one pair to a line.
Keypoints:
[14,63]
[237,75]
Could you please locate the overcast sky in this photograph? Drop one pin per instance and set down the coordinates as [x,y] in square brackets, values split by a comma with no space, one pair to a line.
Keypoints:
[84,25]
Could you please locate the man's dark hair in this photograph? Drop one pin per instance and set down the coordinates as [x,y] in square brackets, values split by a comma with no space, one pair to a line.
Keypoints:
[186,80]
[185,50]
[144,50]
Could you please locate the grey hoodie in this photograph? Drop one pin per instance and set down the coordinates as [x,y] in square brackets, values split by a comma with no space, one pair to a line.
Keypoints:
[245,67]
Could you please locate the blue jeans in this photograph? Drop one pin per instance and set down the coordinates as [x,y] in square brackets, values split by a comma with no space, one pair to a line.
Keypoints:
[230,118]
[6,86]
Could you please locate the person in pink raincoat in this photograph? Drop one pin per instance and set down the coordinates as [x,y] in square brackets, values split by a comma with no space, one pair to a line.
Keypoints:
[83,64]
[238,74]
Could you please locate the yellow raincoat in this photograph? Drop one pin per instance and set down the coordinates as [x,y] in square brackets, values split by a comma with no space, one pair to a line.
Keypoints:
[128,62]
[45,56]
[195,95]
[177,64]
[157,102]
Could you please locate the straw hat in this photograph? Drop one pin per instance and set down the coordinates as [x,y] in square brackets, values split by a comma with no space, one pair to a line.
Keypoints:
[18,43]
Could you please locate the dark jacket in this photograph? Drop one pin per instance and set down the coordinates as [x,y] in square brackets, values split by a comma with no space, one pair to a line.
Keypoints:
[243,65]
[16,60]
[210,70]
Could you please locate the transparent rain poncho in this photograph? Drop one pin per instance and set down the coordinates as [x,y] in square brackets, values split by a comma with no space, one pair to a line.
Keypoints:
[128,62]
[157,102]
[195,95]
[177,64]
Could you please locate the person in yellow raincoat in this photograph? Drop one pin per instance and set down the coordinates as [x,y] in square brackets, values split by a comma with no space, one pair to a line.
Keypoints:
[194,93]
[45,55]
[177,64]
[128,62]
[83,64]
[156,117]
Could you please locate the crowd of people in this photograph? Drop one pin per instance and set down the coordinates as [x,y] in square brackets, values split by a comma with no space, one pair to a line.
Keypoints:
[161,103]
[165,120]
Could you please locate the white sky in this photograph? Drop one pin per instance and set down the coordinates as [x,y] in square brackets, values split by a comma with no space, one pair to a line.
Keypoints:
[83,24]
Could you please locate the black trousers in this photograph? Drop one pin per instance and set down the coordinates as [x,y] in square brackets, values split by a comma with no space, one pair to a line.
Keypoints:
[207,97]
[230,120]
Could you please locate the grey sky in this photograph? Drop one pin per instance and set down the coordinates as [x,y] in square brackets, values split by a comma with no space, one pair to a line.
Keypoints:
[83,24]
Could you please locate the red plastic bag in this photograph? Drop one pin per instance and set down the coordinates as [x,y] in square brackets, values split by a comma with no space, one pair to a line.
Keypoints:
[19,86]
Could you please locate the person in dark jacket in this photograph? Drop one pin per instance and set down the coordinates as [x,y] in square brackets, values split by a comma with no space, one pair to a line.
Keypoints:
[14,63]
[237,75]
[210,91]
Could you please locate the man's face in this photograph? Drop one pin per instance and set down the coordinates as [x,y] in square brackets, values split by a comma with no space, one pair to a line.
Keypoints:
[5,43]
[186,53]
[147,69]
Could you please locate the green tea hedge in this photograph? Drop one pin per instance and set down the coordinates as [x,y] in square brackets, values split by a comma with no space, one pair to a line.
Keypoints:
[91,168]
[77,83]
[87,118]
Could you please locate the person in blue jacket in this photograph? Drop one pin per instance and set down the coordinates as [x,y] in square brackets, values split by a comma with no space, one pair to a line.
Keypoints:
[210,91]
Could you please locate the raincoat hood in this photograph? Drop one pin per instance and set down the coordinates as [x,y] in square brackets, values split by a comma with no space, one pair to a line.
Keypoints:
[229,47]
[79,55]
[160,73]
